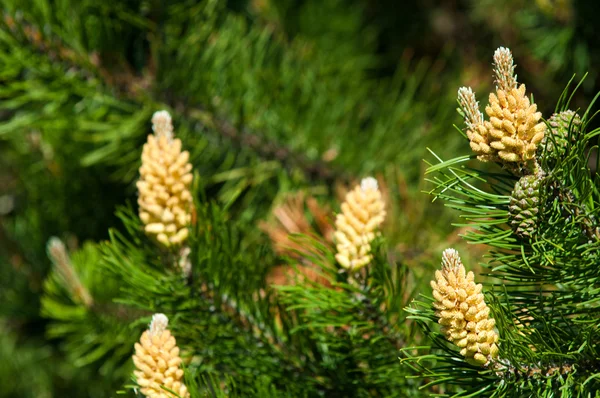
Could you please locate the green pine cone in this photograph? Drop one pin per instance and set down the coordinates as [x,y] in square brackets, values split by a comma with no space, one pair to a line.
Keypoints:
[524,205]
[559,128]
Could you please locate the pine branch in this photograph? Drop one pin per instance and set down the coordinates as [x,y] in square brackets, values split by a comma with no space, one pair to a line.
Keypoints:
[539,219]
[588,221]
[267,149]
[377,316]
[248,324]
[50,46]
[132,88]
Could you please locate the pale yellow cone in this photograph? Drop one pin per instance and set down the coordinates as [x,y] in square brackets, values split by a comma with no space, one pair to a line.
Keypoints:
[165,201]
[157,362]
[462,311]
[362,214]
[514,129]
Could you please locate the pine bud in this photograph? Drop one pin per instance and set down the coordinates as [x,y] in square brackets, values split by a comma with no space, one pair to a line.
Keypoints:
[462,311]
[64,268]
[164,186]
[560,125]
[362,213]
[504,69]
[162,124]
[157,361]
[524,205]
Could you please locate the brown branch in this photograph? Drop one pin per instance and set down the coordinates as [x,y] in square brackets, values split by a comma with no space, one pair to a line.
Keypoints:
[508,370]
[265,148]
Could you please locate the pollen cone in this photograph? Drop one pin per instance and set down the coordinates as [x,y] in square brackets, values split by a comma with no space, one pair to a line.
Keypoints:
[164,186]
[462,311]
[362,213]
[157,362]
[514,129]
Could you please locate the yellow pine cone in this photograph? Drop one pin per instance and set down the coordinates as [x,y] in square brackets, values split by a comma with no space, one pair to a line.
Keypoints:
[479,143]
[362,213]
[164,186]
[462,311]
[157,362]
[476,132]
[514,129]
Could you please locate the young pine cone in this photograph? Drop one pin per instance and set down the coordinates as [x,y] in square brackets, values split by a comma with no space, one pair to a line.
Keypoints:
[560,125]
[164,186]
[157,362]
[462,311]
[524,205]
[514,129]
[362,213]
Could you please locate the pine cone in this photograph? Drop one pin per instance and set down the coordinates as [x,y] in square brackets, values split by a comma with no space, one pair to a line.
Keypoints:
[524,205]
[157,361]
[164,187]
[476,131]
[362,213]
[560,123]
[514,128]
[479,142]
[462,311]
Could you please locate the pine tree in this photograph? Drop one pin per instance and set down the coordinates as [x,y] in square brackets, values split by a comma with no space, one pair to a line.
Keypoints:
[208,163]
[538,215]
[262,111]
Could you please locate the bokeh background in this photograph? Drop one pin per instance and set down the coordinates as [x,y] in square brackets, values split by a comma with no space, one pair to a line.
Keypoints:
[271,97]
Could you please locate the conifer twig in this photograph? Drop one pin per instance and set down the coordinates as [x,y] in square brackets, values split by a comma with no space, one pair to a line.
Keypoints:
[265,148]
[245,321]
[129,86]
[505,369]
[376,315]
[590,227]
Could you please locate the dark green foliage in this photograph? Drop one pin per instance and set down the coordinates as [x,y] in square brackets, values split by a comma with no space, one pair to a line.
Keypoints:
[357,326]
[20,369]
